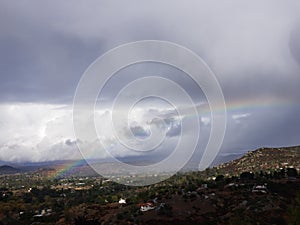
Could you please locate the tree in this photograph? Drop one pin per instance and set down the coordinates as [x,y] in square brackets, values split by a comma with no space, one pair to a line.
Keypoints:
[82,220]
[291,172]
[294,212]
[220,178]
[247,176]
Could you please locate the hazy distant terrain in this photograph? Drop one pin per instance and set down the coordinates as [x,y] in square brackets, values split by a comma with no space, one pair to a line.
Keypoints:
[255,160]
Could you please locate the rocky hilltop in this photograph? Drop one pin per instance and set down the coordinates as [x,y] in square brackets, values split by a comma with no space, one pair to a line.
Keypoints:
[262,159]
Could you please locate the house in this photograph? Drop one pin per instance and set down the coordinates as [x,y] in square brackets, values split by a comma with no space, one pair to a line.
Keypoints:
[122,201]
[147,206]
[44,212]
[260,189]
[202,187]
[231,185]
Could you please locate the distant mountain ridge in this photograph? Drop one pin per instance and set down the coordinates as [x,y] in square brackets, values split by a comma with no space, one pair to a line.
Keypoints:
[262,159]
[5,169]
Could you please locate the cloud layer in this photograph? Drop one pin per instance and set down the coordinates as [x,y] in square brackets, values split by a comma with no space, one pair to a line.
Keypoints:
[45,47]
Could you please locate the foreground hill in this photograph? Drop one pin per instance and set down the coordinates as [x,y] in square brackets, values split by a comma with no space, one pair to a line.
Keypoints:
[262,159]
[185,198]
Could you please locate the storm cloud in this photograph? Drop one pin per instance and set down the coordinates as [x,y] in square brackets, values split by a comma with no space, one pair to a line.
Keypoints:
[45,47]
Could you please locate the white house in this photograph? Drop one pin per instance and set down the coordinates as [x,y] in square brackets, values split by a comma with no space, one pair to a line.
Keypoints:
[122,201]
[146,207]
[260,189]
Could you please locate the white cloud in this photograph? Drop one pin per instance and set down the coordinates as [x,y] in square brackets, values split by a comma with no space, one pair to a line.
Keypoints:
[240,116]
[36,132]
[41,132]
[205,120]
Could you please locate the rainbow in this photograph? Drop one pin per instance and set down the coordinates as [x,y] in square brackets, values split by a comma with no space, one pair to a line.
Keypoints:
[258,104]
[250,105]
[239,106]
[67,168]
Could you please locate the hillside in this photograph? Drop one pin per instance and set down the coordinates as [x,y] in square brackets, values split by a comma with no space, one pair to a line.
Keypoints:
[262,159]
[192,197]
[8,170]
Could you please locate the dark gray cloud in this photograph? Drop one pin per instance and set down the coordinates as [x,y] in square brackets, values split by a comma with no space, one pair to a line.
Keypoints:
[139,131]
[69,142]
[44,66]
[47,46]
[253,48]
[294,42]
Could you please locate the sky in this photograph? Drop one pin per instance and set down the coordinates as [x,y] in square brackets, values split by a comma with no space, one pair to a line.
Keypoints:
[252,47]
